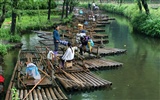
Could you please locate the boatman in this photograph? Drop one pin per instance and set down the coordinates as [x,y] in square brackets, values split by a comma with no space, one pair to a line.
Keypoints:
[32,71]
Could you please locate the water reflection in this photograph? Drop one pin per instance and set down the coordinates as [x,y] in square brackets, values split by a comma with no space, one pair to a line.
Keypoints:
[30,41]
[138,78]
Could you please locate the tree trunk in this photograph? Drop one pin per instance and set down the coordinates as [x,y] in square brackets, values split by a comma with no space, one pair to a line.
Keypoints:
[2,17]
[14,16]
[63,9]
[67,3]
[13,24]
[49,9]
[71,7]
[145,5]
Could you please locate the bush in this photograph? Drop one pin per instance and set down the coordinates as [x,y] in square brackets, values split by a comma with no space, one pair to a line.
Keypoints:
[3,49]
[15,38]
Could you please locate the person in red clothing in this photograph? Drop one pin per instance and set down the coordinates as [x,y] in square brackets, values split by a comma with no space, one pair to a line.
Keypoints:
[1,83]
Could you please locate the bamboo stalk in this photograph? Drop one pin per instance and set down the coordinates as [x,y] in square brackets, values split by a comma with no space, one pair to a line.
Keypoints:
[48,94]
[35,95]
[30,96]
[21,94]
[44,95]
[39,94]
[22,82]
[25,93]
[52,94]
[62,94]
[71,77]
[57,94]
[34,86]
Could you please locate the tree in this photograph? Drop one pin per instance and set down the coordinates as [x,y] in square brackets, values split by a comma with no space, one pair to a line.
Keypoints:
[63,9]
[49,9]
[70,4]
[145,5]
[67,4]
[3,13]
[14,4]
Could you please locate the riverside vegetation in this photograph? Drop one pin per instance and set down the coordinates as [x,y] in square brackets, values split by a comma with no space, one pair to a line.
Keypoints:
[31,19]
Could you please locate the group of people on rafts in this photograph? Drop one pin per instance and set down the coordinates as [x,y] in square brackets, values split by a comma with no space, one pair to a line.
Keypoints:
[84,44]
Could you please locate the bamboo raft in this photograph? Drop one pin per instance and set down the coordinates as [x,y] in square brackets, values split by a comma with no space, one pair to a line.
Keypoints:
[44,89]
[99,30]
[105,19]
[48,35]
[96,64]
[100,25]
[86,81]
[77,77]
[108,51]
[103,22]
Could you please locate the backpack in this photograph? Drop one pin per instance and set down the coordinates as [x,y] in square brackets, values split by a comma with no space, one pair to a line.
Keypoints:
[91,41]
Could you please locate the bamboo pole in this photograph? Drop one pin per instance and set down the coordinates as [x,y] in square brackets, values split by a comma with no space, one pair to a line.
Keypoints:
[39,94]
[30,96]
[21,94]
[62,94]
[48,94]
[25,93]
[57,94]
[22,82]
[34,87]
[43,94]
[35,95]
[71,77]
[52,94]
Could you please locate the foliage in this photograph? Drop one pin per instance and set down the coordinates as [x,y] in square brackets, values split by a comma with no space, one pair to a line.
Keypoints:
[15,38]
[66,20]
[32,5]
[4,33]
[14,94]
[34,22]
[147,24]
[3,49]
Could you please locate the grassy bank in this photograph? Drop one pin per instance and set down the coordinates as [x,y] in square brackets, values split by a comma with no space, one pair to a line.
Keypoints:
[27,21]
[145,24]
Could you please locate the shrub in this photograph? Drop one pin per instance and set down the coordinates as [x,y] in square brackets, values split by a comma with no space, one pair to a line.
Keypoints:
[3,49]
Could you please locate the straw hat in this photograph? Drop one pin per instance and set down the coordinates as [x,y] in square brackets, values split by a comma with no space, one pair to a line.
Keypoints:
[80,25]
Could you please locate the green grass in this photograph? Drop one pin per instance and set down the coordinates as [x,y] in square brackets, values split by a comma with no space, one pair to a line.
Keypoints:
[145,24]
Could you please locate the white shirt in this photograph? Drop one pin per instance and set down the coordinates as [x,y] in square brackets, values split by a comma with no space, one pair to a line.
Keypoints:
[50,55]
[78,36]
[93,4]
[69,54]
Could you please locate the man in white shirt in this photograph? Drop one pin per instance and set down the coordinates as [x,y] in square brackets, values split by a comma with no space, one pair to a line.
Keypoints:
[79,35]
[69,54]
[93,5]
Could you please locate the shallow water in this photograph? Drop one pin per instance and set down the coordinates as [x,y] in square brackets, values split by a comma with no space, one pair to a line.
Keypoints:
[137,79]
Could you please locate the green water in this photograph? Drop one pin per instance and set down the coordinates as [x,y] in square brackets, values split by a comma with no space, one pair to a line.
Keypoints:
[137,79]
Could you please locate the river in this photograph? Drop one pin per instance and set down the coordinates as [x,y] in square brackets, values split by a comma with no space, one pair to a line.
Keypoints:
[137,79]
